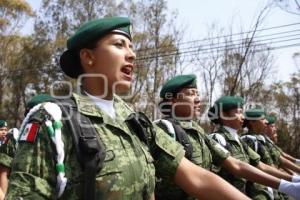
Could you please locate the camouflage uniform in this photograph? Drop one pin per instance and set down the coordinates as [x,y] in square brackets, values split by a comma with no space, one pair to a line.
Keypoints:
[258,144]
[7,151]
[128,172]
[275,153]
[206,152]
[242,152]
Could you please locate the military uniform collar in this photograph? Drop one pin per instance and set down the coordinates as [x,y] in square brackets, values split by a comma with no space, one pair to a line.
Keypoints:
[232,132]
[186,124]
[227,133]
[268,139]
[259,137]
[86,106]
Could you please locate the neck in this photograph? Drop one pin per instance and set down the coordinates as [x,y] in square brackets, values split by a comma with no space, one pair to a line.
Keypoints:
[255,131]
[96,88]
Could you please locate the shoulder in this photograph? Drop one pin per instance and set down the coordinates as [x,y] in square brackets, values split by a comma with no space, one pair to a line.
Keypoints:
[218,138]
[45,114]
[249,138]
[121,104]
[165,125]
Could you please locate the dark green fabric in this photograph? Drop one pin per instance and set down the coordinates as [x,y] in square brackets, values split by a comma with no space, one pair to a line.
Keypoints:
[87,34]
[3,123]
[271,119]
[37,99]
[254,113]
[177,83]
[97,28]
[224,104]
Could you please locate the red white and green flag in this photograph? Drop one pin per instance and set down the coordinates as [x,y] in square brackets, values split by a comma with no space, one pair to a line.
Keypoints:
[30,132]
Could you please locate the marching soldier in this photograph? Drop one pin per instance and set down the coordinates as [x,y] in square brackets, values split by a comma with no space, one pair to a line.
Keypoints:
[181,105]
[93,145]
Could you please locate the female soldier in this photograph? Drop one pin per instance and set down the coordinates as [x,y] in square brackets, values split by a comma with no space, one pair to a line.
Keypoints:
[8,148]
[227,114]
[181,105]
[280,158]
[4,159]
[100,54]
[258,124]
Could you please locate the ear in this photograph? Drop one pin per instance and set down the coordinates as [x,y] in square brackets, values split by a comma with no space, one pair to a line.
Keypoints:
[173,100]
[87,58]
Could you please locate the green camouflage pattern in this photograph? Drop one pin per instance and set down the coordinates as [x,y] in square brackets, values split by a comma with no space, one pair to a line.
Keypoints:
[128,171]
[242,152]
[206,152]
[275,153]
[265,156]
[7,151]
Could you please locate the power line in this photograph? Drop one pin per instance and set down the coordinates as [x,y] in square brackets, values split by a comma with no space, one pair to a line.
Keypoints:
[228,47]
[223,36]
[214,46]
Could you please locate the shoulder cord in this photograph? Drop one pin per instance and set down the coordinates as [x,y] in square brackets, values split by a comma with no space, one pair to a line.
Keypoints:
[253,139]
[26,119]
[54,132]
[169,127]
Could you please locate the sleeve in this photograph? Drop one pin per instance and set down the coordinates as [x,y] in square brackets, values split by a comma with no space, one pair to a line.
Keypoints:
[254,158]
[168,154]
[219,153]
[265,155]
[33,173]
[7,152]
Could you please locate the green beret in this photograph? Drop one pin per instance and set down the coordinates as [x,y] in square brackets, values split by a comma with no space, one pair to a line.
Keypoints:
[224,104]
[177,83]
[86,34]
[255,114]
[271,119]
[37,99]
[3,123]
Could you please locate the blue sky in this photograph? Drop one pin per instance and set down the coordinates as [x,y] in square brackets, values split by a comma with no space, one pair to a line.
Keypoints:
[196,15]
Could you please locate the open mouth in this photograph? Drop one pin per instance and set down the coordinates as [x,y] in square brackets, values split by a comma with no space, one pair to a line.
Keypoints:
[127,70]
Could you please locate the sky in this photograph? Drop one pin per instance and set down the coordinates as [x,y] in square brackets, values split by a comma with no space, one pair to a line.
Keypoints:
[196,15]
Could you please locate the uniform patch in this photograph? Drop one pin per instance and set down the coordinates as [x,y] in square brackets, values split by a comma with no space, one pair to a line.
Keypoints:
[30,132]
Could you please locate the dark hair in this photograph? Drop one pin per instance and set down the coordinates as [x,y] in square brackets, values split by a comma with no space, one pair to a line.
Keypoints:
[165,107]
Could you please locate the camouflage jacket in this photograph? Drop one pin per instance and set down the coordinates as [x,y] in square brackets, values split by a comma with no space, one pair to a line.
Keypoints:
[274,151]
[7,151]
[128,171]
[258,143]
[206,152]
[243,152]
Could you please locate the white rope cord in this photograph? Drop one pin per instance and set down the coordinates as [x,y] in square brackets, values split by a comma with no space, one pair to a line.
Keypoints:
[25,121]
[54,131]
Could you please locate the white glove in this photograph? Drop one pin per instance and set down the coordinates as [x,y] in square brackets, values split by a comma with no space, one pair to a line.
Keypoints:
[297,161]
[295,178]
[289,188]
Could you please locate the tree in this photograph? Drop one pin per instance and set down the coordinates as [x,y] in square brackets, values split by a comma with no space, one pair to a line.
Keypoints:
[155,39]
[290,6]
[13,14]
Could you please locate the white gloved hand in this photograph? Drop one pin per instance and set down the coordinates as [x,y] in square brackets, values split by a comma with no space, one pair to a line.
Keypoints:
[289,188]
[295,178]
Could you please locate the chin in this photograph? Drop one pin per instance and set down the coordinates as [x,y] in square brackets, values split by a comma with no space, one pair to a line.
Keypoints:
[122,88]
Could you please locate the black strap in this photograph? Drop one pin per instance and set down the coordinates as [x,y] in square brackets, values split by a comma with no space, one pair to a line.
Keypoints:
[182,138]
[90,150]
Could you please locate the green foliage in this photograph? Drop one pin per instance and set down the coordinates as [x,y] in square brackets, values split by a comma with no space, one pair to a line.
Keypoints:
[13,13]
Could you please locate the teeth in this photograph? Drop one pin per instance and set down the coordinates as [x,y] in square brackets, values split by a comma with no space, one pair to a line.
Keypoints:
[127,70]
